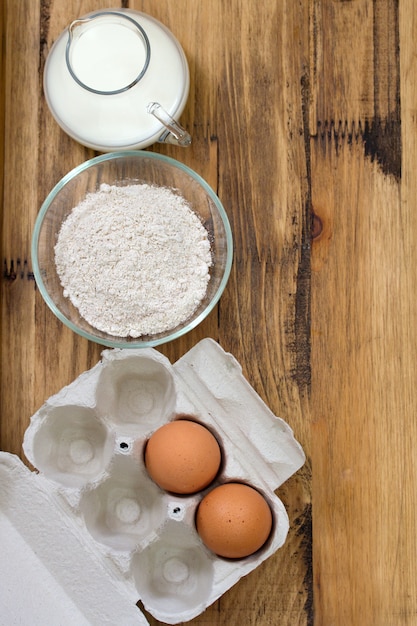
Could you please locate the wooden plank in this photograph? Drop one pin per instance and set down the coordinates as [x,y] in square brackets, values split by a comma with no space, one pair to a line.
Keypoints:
[3,19]
[364,330]
[354,72]
[21,100]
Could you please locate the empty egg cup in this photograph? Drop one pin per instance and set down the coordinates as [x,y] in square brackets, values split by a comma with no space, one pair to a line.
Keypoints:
[137,395]
[72,446]
[125,508]
[174,573]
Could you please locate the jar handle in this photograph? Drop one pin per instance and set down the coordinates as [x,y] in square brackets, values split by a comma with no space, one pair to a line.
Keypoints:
[174,132]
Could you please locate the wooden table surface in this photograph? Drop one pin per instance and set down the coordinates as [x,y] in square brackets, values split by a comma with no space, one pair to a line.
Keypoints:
[304,120]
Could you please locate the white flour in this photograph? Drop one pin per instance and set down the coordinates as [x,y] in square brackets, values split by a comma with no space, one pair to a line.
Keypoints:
[134,260]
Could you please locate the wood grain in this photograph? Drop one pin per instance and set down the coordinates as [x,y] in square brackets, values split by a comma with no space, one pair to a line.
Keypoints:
[2,117]
[363,397]
[304,121]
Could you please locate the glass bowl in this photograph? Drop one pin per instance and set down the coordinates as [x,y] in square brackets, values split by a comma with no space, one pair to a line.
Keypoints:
[121,169]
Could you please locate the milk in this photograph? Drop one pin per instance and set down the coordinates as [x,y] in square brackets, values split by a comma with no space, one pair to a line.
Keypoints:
[109,56]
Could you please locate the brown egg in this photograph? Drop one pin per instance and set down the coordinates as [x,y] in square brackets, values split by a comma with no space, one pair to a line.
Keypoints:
[182,456]
[234,520]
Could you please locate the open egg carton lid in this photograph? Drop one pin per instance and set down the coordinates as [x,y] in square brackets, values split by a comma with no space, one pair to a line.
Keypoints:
[56,570]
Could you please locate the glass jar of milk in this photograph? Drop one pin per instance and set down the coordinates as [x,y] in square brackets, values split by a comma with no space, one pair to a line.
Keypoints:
[118,80]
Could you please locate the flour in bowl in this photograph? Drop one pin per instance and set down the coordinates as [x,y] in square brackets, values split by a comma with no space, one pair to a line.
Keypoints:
[134,260]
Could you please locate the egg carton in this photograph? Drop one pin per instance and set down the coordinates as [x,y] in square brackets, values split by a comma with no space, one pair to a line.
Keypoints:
[89,534]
